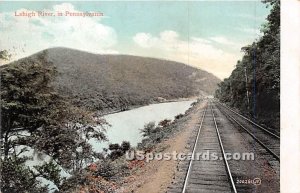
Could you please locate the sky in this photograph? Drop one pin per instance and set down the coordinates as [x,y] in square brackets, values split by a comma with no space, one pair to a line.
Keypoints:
[204,34]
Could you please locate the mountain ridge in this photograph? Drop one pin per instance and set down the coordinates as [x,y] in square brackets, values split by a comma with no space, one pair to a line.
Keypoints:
[109,82]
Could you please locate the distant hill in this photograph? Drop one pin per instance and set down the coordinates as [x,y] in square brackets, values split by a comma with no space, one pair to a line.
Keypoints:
[112,82]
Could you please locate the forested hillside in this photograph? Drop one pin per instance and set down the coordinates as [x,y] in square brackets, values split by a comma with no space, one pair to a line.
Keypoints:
[114,82]
[258,73]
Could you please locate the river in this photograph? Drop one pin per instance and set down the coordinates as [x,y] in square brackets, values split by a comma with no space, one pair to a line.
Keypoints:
[126,125]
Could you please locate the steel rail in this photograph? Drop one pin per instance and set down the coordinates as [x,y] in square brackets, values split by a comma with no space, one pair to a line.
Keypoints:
[223,152]
[193,153]
[253,136]
[261,127]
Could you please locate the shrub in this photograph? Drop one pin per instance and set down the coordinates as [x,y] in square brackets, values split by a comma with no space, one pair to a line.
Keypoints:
[165,123]
[118,150]
[179,116]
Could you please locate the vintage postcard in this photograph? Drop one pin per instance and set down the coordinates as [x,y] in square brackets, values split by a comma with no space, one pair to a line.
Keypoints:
[140,96]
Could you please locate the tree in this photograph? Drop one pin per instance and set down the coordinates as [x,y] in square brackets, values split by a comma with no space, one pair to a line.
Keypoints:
[27,101]
[262,61]
[30,104]
[16,177]
[148,129]
[165,123]
[4,55]
[118,150]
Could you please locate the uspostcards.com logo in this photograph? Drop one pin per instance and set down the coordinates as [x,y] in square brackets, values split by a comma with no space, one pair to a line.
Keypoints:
[207,155]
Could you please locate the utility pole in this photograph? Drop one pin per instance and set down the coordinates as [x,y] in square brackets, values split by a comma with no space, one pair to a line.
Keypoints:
[247,92]
[231,93]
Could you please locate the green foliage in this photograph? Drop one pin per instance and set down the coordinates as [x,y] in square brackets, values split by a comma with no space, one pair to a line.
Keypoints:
[102,176]
[4,55]
[165,123]
[56,128]
[148,129]
[117,82]
[16,177]
[114,146]
[27,101]
[118,150]
[125,146]
[179,116]
[111,169]
[155,134]
[50,171]
[261,65]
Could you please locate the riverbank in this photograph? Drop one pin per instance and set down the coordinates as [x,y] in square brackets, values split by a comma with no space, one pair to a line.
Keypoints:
[123,176]
[156,176]
[127,125]
[113,172]
[113,111]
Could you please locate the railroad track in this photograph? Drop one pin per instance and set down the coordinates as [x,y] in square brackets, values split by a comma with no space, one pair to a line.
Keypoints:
[269,140]
[212,175]
[218,123]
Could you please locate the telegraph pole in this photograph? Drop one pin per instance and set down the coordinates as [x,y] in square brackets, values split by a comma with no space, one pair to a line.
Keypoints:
[231,93]
[247,92]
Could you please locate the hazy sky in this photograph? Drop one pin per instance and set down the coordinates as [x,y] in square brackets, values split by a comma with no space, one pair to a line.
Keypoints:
[205,34]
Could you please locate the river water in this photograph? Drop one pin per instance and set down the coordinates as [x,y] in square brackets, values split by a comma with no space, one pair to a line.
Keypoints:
[126,125]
